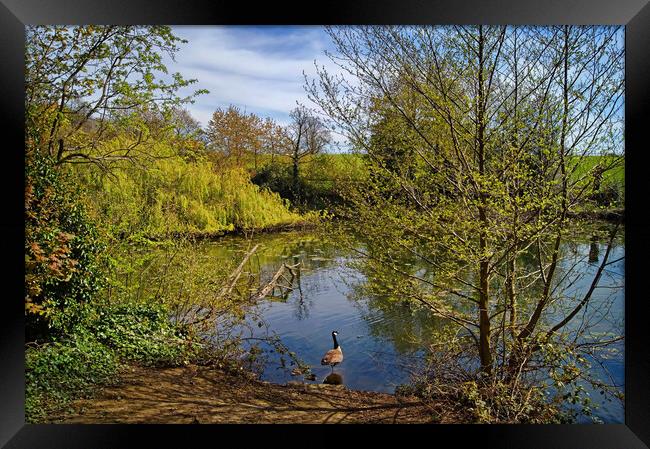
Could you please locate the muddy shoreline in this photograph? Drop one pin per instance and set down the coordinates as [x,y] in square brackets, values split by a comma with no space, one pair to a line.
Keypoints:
[207,395]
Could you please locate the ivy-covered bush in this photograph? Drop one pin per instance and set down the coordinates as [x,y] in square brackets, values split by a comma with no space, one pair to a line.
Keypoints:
[62,252]
[60,371]
[76,339]
[142,333]
[57,372]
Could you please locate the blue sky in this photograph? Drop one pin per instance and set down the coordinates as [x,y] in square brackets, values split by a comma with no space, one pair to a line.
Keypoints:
[258,68]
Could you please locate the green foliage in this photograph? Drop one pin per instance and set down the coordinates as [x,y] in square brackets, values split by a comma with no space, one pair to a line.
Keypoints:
[141,333]
[87,338]
[321,181]
[92,354]
[86,83]
[58,372]
[62,249]
[475,401]
[278,178]
[275,176]
[177,196]
[500,403]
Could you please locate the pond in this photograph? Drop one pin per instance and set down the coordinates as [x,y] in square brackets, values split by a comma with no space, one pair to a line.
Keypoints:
[383,341]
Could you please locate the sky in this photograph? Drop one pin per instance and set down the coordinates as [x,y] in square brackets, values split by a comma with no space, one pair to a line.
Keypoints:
[258,68]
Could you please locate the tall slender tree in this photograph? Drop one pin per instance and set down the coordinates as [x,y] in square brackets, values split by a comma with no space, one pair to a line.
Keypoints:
[500,131]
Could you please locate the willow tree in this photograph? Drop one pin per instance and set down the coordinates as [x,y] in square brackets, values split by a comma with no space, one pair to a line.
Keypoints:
[496,126]
[94,95]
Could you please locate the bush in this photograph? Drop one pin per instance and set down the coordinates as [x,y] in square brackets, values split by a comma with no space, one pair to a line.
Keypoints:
[141,333]
[58,372]
[61,371]
[277,178]
[506,403]
[476,401]
[609,195]
[313,194]
[62,251]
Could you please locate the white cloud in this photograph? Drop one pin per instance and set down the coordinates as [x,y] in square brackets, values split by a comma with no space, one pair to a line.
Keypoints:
[259,69]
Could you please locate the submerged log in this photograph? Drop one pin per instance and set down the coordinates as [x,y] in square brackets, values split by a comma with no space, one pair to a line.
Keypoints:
[274,282]
[234,277]
[202,314]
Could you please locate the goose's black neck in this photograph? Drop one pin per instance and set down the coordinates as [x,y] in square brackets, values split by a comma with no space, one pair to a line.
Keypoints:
[336,343]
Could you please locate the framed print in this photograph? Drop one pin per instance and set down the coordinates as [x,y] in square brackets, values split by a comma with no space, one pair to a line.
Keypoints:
[425,216]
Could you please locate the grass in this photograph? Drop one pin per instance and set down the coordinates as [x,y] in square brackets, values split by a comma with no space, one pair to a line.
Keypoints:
[615,174]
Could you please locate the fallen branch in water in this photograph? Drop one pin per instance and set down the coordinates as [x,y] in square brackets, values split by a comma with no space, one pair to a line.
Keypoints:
[234,277]
[203,315]
[197,315]
[273,283]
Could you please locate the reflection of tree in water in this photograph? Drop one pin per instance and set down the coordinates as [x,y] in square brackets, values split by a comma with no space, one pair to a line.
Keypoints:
[314,258]
[302,310]
[575,271]
[594,249]
[319,279]
[410,328]
[407,326]
[310,251]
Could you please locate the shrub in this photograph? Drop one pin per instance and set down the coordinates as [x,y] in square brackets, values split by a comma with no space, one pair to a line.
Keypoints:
[58,372]
[477,401]
[61,371]
[314,193]
[141,333]
[62,251]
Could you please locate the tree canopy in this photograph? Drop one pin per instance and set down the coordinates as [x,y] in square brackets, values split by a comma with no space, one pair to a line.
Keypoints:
[474,137]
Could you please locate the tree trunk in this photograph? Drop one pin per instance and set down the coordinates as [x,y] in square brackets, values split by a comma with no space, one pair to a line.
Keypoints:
[514,194]
[484,282]
[296,183]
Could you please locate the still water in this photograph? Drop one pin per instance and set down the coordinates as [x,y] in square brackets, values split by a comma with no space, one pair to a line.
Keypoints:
[383,341]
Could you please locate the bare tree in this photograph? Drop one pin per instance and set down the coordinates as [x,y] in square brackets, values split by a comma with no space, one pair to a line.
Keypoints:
[305,136]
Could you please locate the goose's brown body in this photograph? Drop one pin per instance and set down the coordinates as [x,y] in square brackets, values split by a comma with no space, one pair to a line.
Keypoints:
[334,356]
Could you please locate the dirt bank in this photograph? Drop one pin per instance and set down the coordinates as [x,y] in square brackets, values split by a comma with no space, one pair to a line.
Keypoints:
[207,395]
[298,226]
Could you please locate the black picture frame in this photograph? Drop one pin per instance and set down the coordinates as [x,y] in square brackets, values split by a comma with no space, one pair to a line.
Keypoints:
[634,14]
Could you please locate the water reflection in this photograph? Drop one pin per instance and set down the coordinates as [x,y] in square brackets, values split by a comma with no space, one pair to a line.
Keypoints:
[594,249]
[333,379]
[408,327]
[384,338]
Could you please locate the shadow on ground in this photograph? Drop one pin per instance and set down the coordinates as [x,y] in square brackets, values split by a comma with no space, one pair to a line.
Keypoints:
[206,395]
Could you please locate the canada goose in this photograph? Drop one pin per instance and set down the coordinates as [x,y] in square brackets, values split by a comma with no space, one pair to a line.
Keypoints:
[334,356]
